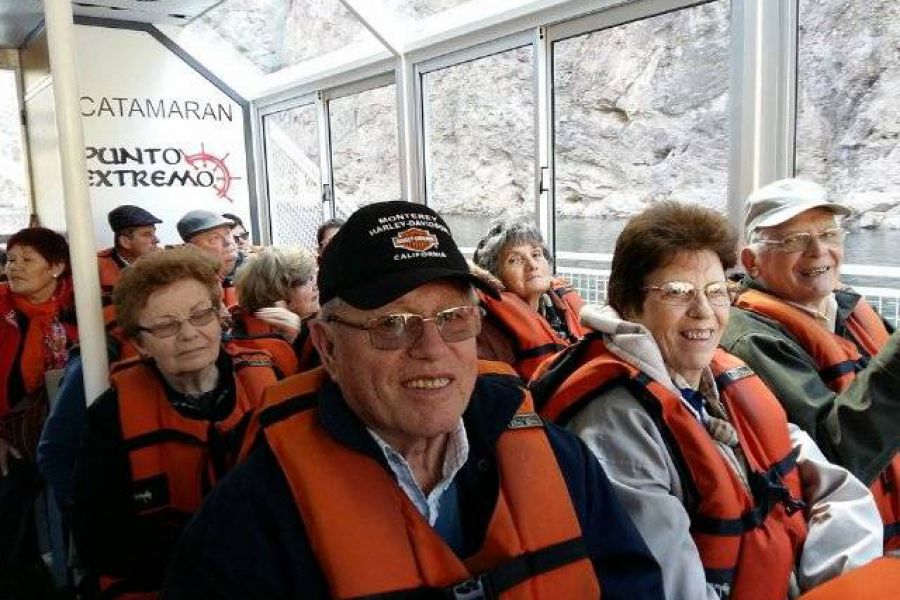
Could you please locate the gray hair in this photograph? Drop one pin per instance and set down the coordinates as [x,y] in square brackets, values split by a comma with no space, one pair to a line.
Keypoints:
[502,234]
[269,275]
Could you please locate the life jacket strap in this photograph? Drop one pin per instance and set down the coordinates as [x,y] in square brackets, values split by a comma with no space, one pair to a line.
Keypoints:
[278,412]
[768,491]
[490,584]
[161,436]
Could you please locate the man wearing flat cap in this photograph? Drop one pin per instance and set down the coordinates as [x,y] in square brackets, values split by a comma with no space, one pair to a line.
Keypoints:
[212,234]
[831,360]
[134,235]
[404,467]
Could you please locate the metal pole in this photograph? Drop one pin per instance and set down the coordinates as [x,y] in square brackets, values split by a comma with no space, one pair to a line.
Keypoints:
[79,224]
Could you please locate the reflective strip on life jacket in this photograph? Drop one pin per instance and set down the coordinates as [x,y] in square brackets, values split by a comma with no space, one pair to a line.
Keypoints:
[382,546]
[747,539]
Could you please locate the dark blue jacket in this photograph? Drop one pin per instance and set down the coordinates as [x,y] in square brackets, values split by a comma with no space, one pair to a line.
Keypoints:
[248,540]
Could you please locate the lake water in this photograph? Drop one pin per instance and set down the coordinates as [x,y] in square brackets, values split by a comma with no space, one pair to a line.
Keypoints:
[879,247]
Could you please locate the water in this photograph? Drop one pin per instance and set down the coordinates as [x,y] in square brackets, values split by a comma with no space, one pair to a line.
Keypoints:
[880,247]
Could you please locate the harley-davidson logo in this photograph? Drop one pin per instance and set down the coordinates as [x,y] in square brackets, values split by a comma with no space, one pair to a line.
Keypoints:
[415,239]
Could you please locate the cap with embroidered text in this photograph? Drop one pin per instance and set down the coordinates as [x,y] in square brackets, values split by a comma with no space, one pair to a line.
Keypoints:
[388,249]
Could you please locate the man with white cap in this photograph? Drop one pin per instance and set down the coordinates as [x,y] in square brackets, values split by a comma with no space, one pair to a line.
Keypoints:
[406,468]
[829,357]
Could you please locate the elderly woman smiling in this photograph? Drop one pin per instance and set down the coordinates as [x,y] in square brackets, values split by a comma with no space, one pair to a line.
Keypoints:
[538,314]
[730,497]
[172,424]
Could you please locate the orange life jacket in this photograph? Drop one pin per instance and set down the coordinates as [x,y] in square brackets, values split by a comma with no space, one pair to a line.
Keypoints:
[748,540]
[166,446]
[229,293]
[532,337]
[253,332]
[877,580]
[127,350]
[838,360]
[171,467]
[380,544]
[110,273]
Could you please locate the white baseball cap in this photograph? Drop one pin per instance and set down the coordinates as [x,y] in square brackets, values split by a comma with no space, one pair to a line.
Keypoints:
[782,200]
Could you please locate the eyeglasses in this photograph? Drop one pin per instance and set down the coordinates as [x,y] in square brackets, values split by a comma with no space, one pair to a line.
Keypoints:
[242,236]
[683,293]
[171,326]
[799,242]
[397,332]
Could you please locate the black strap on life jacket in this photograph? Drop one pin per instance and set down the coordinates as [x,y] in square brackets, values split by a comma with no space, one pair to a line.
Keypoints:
[490,584]
[278,412]
[566,363]
[768,491]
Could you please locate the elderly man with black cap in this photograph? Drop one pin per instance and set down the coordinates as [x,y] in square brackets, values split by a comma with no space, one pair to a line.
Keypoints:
[404,467]
[828,356]
[134,235]
[212,234]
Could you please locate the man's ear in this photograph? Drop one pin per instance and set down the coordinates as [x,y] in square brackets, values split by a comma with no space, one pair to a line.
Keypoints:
[750,261]
[321,335]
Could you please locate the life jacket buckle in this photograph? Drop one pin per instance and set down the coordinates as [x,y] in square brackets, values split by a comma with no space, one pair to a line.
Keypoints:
[471,589]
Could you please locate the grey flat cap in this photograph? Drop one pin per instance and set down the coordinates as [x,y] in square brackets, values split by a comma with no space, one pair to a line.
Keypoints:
[198,221]
[782,200]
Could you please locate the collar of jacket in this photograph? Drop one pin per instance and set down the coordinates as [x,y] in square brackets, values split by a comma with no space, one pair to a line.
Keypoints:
[494,401]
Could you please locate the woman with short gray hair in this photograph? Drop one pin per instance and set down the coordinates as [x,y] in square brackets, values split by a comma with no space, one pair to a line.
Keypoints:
[278,295]
[538,314]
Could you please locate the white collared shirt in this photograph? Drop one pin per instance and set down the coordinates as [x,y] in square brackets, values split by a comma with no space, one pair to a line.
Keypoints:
[455,456]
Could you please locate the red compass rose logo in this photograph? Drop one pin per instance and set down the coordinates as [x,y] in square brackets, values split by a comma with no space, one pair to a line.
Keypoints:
[222,177]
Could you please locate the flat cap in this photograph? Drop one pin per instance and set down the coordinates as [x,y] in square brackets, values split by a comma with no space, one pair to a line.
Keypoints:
[198,221]
[128,215]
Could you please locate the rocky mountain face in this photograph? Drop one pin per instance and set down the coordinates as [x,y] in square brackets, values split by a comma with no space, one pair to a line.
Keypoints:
[848,122]
[13,193]
[640,110]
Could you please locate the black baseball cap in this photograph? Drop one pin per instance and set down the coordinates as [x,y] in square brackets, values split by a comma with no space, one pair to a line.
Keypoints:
[129,215]
[388,249]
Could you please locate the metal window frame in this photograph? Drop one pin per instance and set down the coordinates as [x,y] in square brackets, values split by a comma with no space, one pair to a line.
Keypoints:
[18,81]
[762,110]
[449,60]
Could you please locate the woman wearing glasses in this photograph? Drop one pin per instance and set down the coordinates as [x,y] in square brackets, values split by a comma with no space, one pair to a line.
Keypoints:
[170,427]
[732,499]
[817,344]
[538,314]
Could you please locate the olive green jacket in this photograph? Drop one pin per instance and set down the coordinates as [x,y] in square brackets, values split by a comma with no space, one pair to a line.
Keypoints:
[858,428]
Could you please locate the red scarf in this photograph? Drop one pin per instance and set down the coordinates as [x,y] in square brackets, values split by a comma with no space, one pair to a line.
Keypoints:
[47,339]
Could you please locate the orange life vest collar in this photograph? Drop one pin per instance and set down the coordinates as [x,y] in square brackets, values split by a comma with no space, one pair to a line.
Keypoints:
[838,359]
[748,540]
[533,545]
